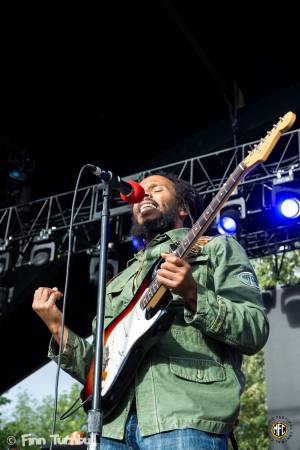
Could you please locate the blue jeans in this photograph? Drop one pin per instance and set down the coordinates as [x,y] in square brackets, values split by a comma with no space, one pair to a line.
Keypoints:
[186,439]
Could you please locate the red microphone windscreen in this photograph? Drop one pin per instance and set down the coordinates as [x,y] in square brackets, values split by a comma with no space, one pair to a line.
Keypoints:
[136,195]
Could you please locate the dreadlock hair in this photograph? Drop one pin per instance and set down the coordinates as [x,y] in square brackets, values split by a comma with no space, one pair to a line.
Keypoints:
[187,196]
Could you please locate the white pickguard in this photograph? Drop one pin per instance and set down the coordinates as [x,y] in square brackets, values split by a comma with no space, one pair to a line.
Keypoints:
[122,339]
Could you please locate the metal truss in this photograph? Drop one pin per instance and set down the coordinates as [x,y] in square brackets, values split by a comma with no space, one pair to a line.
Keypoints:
[23,225]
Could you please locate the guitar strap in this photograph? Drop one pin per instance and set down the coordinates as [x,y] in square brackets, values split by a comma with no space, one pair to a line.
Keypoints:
[197,247]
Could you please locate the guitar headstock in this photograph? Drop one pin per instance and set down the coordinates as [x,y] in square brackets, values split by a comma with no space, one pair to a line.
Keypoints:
[262,150]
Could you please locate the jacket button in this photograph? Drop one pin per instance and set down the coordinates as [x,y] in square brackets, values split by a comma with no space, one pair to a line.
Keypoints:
[200,374]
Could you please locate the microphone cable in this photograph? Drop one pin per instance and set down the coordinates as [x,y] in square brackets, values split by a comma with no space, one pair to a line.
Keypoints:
[66,288]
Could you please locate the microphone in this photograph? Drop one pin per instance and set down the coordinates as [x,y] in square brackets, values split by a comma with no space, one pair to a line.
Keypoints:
[130,191]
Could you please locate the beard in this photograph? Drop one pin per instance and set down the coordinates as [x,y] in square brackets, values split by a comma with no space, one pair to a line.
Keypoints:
[151,227]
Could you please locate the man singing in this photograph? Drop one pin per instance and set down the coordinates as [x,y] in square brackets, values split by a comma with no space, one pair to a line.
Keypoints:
[186,392]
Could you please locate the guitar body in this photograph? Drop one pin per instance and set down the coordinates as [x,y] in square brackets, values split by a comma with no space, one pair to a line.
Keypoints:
[126,341]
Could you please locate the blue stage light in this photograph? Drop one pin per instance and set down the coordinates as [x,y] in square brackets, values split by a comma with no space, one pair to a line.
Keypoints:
[135,242]
[290,208]
[18,175]
[230,219]
[227,225]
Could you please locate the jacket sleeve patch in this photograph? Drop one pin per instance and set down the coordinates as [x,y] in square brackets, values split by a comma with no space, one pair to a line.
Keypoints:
[249,279]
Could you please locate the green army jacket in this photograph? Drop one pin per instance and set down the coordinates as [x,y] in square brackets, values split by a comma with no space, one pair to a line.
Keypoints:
[192,378]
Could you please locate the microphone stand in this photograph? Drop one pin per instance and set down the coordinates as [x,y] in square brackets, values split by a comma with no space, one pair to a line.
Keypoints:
[95,414]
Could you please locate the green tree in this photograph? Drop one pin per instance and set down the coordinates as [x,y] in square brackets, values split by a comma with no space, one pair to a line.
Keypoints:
[252,430]
[3,436]
[34,418]
[3,401]
[282,268]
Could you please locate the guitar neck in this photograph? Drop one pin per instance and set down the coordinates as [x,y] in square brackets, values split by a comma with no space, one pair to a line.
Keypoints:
[156,290]
[258,154]
[210,212]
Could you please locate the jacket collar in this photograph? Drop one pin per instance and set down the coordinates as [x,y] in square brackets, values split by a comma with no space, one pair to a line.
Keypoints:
[174,235]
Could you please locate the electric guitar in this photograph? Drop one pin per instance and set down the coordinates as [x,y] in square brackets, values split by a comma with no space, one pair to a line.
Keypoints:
[140,325]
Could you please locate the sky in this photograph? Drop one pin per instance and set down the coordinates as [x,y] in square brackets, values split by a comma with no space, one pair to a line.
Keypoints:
[38,385]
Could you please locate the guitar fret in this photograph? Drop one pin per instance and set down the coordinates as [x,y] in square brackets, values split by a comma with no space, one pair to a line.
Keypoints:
[197,227]
[179,251]
[215,203]
[152,289]
[147,299]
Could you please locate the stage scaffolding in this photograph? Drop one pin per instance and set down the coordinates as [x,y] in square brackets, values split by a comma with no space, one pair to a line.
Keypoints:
[42,220]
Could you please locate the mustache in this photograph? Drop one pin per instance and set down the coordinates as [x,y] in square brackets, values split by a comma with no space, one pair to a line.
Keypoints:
[151,227]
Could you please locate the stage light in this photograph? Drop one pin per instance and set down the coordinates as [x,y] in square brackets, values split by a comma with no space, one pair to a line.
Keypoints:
[269,299]
[21,164]
[18,175]
[227,225]
[42,254]
[229,218]
[137,243]
[290,304]
[6,298]
[290,208]
[112,265]
[7,261]
[286,198]
[112,269]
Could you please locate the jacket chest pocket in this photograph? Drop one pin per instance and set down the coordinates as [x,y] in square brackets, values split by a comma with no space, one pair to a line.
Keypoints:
[120,293]
[197,370]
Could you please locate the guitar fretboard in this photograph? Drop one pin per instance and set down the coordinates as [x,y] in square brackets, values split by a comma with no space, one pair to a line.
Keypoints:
[200,226]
